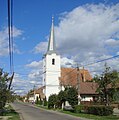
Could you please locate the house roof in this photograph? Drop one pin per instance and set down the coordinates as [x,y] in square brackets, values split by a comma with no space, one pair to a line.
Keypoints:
[69,77]
[40,92]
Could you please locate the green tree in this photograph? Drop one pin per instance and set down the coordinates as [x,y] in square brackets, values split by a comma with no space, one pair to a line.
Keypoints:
[45,101]
[40,102]
[6,95]
[62,97]
[107,85]
[52,101]
[72,96]
[37,100]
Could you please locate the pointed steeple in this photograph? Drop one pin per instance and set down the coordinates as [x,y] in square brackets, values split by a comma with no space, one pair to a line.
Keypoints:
[51,43]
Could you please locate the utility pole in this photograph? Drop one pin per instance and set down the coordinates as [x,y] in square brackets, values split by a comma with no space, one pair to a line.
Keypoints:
[34,93]
[78,83]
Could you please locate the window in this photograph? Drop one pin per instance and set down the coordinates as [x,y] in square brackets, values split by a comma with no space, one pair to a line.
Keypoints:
[53,61]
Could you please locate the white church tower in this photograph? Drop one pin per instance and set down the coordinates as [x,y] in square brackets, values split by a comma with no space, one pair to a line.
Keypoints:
[51,67]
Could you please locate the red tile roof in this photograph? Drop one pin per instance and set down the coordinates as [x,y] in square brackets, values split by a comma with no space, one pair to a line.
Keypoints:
[40,92]
[69,76]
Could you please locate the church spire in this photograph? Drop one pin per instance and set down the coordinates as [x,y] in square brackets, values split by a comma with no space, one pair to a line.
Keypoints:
[51,44]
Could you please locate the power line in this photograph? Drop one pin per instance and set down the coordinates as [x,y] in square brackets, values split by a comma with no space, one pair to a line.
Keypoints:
[98,61]
[10,33]
[12,49]
[10,38]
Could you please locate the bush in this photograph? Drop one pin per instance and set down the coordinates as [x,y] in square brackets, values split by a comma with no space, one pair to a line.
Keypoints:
[72,96]
[45,101]
[100,110]
[40,102]
[78,108]
[52,101]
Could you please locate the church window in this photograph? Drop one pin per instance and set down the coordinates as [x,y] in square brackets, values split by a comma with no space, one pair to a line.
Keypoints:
[53,61]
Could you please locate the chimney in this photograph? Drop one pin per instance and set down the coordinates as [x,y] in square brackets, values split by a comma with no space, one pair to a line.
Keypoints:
[84,77]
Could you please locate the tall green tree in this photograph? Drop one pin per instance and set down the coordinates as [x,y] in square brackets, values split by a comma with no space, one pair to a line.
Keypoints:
[6,95]
[45,101]
[107,82]
[52,101]
[62,97]
[72,96]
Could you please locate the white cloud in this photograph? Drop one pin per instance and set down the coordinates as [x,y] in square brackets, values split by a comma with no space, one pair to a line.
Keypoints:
[35,64]
[87,32]
[65,62]
[4,40]
[86,28]
[22,85]
[112,42]
[36,72]
[117,53]
[41,47]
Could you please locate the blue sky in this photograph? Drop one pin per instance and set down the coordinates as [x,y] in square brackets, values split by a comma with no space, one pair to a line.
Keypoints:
[79,24]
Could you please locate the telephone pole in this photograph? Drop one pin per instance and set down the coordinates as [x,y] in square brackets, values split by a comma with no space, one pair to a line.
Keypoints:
[78,83]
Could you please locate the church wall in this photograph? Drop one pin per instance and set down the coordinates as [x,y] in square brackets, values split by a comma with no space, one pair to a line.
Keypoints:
[51,75]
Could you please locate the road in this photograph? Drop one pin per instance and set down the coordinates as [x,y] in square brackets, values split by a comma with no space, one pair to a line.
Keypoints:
[29,112]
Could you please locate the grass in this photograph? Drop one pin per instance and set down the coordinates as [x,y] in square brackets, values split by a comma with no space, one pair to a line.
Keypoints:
[44,107]
[14,115]
[11,114]
[82,115]
[90,116]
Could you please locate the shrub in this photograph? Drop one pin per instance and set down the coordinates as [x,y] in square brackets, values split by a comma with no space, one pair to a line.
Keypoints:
[40,102]
[52,101]
[37,101]
[78,108]
[45,101]
[72,96]
[100,110]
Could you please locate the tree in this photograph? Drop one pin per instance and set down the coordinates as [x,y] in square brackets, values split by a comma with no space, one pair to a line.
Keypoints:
[62,97]
[40,102]
[107,85]
[72,96]
[52,101]
[37,100]
[6,95]
[45,101]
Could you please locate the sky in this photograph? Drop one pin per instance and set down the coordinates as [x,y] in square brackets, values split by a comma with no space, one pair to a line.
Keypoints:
[85,31]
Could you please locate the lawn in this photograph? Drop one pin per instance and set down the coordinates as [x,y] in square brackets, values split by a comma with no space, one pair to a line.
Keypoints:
[10,114]
[14,115]
[82,115]
[94,117]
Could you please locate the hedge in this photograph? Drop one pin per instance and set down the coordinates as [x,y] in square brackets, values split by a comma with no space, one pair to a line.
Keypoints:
[100,110]
[78,108]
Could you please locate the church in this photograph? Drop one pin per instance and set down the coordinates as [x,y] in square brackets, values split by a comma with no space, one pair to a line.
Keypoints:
[55,77]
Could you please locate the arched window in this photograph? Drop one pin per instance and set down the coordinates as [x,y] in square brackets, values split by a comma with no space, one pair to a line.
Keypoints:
[53,61]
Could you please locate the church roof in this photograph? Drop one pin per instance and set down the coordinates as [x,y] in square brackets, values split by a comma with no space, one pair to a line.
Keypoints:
[69,77]
[51,44]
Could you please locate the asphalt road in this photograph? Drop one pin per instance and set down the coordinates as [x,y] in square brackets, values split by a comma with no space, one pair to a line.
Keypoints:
[29,112]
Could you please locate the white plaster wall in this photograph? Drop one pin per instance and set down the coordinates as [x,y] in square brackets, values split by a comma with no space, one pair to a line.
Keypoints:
[87,99]
[31,98]
[49,66]
[36,95]
[51,74]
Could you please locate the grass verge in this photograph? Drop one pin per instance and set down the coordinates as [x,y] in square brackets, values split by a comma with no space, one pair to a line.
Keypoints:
[10,114]
[82,115]
[90,116]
